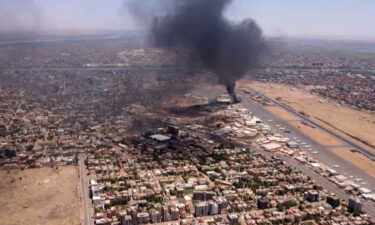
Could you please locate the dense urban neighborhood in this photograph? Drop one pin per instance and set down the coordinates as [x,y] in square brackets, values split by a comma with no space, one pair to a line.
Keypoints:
[147,148]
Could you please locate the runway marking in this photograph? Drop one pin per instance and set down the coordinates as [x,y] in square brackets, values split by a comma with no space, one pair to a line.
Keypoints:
[337,146]
[293,120]
[320,127]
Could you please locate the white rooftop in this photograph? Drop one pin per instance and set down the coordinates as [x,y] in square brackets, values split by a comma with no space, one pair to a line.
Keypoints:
[160,137]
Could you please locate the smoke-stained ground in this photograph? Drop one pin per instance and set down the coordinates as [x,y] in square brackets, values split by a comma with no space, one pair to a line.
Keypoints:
[19,15]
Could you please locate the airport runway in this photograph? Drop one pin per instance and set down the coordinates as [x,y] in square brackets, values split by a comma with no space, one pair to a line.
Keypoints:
[323,154]
[302,117]
[369,206]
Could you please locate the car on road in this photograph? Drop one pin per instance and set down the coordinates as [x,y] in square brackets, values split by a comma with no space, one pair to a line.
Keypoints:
[314,152]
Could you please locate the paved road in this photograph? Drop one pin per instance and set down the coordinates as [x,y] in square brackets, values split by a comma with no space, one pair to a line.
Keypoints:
[69,39]
[330,132]
[86,202]
[97,68]
[145,68]
[324,156]
[331,187]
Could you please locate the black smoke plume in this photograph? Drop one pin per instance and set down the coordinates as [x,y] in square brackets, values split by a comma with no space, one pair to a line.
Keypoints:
[19,15]
[225,48]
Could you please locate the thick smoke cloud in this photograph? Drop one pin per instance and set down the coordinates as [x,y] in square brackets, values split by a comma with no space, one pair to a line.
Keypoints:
[227,49]
[18,15]
[72,17]
[143,12]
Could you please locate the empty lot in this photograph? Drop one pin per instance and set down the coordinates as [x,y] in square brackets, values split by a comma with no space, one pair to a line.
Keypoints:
[40,196]
[327,113]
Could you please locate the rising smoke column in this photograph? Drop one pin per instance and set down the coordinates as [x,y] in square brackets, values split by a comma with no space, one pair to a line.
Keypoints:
[19,15]
[227,49]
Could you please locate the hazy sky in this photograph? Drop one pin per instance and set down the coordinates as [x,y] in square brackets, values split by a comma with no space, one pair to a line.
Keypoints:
[330,18]
[310,17]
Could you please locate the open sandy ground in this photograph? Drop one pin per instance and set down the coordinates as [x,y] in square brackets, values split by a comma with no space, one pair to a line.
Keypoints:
[39,197]
[357,159]
[283,114]
[314,133]
[327,113]
[317,135]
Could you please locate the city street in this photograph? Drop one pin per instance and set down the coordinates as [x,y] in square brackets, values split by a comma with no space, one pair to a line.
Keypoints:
[86,201]
[325,156]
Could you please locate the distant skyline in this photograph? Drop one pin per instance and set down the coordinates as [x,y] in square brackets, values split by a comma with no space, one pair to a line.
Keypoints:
[285,18]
